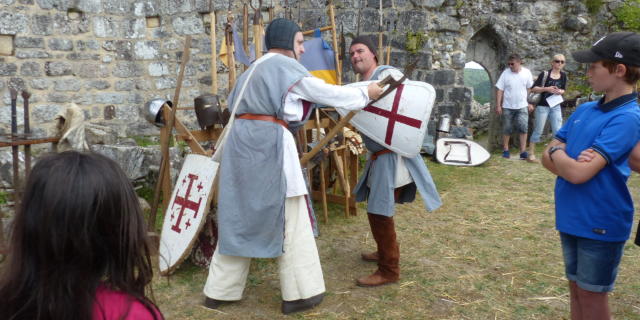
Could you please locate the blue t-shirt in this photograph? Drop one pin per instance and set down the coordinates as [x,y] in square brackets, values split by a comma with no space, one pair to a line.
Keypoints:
[601,208]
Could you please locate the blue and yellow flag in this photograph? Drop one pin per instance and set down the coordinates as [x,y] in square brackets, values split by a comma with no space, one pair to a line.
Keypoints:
[319,59]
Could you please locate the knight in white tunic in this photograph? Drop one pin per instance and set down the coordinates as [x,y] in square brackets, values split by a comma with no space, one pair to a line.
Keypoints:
[262,212]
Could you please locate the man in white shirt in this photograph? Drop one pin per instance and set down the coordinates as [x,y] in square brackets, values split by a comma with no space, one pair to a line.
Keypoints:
[262,212]
[511,103]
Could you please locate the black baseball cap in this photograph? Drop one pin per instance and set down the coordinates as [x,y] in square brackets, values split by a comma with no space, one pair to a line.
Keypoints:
[622,47]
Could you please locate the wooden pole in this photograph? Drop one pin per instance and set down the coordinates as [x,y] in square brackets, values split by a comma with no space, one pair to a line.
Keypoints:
[164,182]
[214,56]
[231,63]
[335,42]
[257,32]
[245,30]
[323,183]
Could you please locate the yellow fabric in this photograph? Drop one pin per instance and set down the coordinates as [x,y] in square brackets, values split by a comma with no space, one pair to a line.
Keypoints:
[329,76]
[223,53]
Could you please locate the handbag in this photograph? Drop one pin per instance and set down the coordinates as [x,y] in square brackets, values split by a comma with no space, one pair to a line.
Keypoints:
[534,97]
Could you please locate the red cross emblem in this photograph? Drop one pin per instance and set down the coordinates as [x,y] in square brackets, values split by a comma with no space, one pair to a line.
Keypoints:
[185,203]
[393,115]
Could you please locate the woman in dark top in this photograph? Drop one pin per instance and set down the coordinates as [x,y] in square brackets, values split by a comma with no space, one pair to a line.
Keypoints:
[555,83]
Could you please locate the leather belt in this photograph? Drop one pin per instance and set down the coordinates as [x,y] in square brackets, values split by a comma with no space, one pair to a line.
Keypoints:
[263,117]
[375,155]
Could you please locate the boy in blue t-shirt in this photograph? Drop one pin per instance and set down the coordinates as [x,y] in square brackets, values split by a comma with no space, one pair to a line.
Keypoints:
[594,210]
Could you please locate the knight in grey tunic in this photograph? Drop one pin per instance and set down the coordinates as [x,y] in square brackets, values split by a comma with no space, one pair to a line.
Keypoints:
[387,179]
[261,207]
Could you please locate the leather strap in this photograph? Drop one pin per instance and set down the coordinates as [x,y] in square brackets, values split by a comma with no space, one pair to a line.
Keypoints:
[263,117]
[375,155]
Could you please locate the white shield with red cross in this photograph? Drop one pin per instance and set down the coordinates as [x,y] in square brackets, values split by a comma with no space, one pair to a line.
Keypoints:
[187,210]
[399,120]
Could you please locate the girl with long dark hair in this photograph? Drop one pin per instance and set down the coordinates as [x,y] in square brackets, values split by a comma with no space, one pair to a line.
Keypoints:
[78,247]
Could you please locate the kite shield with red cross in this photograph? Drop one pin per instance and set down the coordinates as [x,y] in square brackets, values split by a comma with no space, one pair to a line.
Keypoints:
[399,120]
[186,212]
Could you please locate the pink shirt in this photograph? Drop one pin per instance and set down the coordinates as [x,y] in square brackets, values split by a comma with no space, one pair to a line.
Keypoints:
[116,305]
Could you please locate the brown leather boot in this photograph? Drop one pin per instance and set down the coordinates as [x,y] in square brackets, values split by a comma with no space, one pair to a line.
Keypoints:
[370,257]
[373,256]
[384,232]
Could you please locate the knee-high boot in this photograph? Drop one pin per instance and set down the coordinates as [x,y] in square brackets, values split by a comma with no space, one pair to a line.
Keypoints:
[383,230]
[372,256]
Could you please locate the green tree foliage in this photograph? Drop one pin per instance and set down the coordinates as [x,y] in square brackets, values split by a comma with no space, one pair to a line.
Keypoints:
[629,15]
[479,80]
[593,5]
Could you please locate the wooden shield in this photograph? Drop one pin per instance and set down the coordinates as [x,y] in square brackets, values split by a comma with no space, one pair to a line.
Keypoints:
[186,213]
[460,152]
[399,120]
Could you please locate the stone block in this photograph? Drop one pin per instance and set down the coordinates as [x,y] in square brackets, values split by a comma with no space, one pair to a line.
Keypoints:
[125,85]
[109,98]
[147,50]
[146,8]
[122,48]
[127,70]
[430,4]
[134,28]
[75,56]
[116,7]
[62,5]
[135,98]
[83,45]
[58,97]
[40,84]
[171,7]
[443,77]
[64,25]
[30,69]
[41,25]
[90,6]
[461,95]
[12,23]
[60,44]
[106,27]
[92,70]
[72,84]
[191,24]
[7,2]
[6,45]
[8,69]
[83,99]
[45,113]
[29,42]
[165,83]
[57,68]
[98,84]
[129,113]
[439,95]
[32,54]
[412,20]
[130,159]
[447,23]
[17,83]
[158,69]
[458,59]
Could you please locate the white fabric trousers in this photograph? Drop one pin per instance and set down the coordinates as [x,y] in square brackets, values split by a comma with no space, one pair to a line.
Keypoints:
[299,266]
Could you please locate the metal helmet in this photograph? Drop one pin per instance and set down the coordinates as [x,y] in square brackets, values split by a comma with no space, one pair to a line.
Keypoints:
[152,111]
[208,110]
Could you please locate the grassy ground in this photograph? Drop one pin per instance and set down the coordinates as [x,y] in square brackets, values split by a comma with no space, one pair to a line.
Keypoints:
[490,252]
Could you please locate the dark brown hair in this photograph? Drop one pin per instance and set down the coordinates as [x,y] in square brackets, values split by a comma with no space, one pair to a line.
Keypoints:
[80,226]
[631,76]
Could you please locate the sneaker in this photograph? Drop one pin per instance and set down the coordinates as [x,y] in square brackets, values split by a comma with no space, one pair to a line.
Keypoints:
[506,154]
[524,155]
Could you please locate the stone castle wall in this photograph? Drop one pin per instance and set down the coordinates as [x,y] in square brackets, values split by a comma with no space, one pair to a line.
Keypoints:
[105,56]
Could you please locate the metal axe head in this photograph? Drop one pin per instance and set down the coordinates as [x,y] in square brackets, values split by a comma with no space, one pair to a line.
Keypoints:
[393,84]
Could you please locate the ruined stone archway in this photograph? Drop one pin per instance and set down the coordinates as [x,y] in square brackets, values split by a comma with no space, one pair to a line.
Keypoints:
[488,48]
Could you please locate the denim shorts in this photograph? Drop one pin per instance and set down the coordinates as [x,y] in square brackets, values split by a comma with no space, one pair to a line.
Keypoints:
[592,264]
[518,118]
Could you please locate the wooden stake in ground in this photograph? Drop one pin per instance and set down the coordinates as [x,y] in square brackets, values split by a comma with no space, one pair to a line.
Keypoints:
[257,30]
[164,182]
[231,62]
[214,55]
